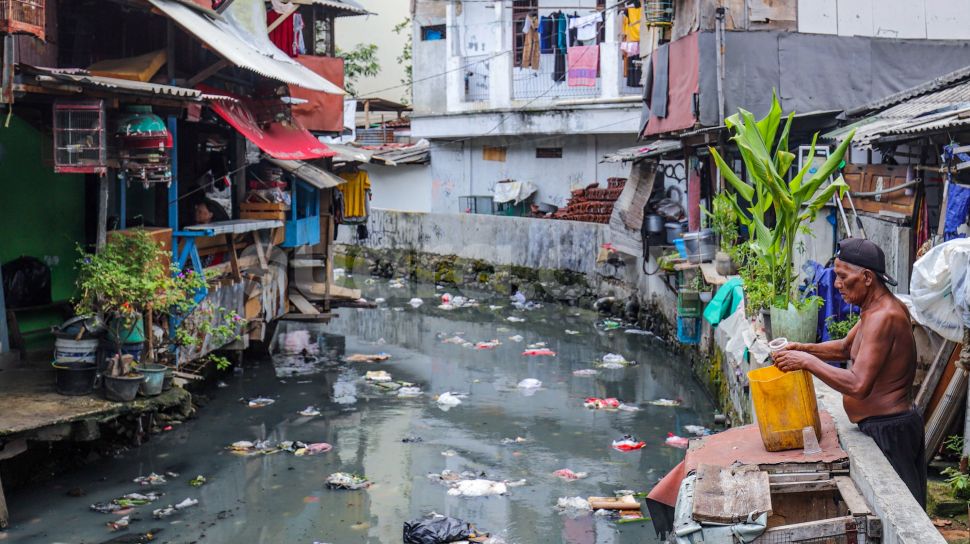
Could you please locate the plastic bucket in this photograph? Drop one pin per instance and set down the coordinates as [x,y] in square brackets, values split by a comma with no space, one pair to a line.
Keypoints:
[154,379]
[75,378]
[795,325]
[123,389]
[169,379]
[784,404]
[118,329]
[75,351]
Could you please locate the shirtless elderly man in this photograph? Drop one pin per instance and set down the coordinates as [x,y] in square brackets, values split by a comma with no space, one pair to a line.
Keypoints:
[876,386]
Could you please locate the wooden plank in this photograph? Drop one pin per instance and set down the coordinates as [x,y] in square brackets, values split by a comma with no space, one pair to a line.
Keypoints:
[942,417]
[810,530]
[248,261]
[335,291]
[853,500]
[798,477]
[260,252]
[933,376]
[306,317]
[879,177]
[728,495]
[234,259]
[302,304]
[803,487]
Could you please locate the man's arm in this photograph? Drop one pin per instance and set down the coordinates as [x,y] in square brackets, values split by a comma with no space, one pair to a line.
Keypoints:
[833,350]
[856,382]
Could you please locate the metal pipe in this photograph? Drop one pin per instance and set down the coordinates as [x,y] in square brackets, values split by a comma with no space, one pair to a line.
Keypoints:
[719,45]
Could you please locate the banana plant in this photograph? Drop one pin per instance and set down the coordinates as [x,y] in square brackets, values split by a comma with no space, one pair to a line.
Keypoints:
[767,161]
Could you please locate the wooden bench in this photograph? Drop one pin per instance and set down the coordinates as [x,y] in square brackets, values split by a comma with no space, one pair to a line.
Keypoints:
[17,337]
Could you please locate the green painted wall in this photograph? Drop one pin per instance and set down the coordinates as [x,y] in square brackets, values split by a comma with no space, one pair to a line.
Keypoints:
[41,213]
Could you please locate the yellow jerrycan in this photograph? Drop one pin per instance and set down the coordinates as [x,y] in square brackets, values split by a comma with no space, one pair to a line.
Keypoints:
[784,404]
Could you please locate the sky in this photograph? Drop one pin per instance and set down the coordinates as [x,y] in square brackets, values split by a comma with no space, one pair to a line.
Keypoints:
[378,29]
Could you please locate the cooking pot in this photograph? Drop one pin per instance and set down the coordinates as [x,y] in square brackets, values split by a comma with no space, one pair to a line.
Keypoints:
[655,224]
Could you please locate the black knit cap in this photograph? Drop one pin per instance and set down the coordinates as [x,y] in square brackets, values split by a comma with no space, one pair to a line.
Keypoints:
[862,252]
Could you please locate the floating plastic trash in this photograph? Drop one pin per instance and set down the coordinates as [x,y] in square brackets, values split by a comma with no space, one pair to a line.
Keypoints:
[477,488]
[697,430]
[416,302]
[309,411]
[676,441]
[169,510]
[313,449]
[198,481]
[343,480]
[409,392]
[665,402]
[151,479]
[571,332]
[362,358]
[514,319]
[567,474]
[542,352]
[516,338]
[260,402]
[448,399]
[599,404]
[377,376]
[492,344]
[529,383]
[513,441]
[628,443]
[586,372]
[573,503]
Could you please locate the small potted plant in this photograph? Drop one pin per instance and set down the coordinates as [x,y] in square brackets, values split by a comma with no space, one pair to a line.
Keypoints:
[724,222]
[768,193]
[128,283]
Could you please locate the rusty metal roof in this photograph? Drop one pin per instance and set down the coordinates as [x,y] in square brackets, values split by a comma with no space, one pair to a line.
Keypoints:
[239,36]
[74,76]
[942,110]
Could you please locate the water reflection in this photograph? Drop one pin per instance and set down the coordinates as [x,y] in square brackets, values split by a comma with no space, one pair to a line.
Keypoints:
[281,498]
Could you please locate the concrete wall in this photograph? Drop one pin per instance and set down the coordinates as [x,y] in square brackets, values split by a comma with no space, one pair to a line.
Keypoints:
[458,169]
[929,19]
[428,90]
[404,188]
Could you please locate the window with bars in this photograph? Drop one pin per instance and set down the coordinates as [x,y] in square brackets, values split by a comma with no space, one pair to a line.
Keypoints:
[520,10]
[548,152]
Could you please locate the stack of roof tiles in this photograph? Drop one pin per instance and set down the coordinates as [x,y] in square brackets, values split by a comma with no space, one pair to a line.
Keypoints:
[592,204]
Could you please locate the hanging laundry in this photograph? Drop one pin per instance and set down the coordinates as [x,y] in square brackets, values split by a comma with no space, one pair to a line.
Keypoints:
[586,26]
[583,64]
[631,24]
[283,35]
[355,193]
[299,46]
[547,33]
[530,50]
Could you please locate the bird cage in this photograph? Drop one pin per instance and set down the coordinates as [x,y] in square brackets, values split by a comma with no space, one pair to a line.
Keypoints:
[658,12]
[23,17]
[79,138]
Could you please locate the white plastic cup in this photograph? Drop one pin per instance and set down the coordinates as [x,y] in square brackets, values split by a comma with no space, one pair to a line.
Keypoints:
[777,344]
[810,441]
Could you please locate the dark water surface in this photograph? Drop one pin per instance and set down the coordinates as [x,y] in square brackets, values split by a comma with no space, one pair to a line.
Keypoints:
[281,498]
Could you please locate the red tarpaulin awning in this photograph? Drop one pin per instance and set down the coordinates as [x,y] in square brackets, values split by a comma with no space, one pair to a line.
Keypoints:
[286,142]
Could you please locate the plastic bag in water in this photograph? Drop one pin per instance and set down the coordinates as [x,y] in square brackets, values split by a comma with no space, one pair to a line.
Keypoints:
[436,529]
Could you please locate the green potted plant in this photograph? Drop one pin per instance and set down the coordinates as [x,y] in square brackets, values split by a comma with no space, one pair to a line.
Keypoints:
[127,283]
[792,203]
[724,222]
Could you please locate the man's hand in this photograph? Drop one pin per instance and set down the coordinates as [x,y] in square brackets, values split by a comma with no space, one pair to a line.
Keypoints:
[789,359]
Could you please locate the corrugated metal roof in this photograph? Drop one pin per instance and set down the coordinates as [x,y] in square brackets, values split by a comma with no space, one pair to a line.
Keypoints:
[343,7]
[941,82]
[937,111]
[318,177]
[409,154]
[230,37]
[81,77]
[652,149]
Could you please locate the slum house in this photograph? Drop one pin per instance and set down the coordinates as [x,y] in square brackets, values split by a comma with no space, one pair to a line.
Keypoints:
[125,118]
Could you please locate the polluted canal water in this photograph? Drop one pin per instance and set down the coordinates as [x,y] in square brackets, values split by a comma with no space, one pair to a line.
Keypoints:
[518,420]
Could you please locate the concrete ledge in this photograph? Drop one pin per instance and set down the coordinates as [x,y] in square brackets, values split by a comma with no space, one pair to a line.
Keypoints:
[903,521]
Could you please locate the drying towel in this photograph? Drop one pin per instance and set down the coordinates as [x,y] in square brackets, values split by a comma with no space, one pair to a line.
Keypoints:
[583,61]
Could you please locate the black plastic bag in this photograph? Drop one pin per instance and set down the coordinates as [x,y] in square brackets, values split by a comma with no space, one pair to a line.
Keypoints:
[26,282]
[436,530]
